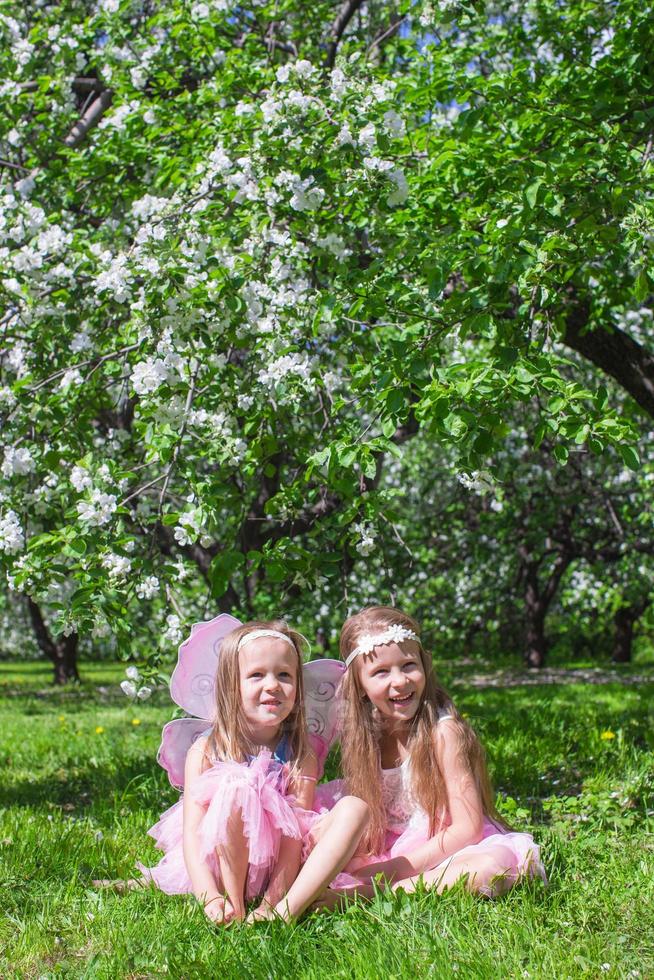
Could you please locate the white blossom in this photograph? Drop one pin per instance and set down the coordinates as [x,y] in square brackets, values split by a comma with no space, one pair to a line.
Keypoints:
[478,481]
[365,538]
[149,205]
[7,397]
[118,566]
[148,588]
[338,83]
[17,462]
[81,341]
[344,137]
[148,375]
[71,377]
[279,369]
[25,186]
[173,633]
[12,538]
[133,673]
[401,192]
[306,196]
[304,68]
[98,509]
[80,478]
[394,124]
[128,688]
[368,138]
[188,528]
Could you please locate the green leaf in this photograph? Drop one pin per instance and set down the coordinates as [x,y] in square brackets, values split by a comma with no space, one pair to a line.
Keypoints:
[221,570]
[630,457]
[601,398]
[531,193]
[642,286]
[561,454]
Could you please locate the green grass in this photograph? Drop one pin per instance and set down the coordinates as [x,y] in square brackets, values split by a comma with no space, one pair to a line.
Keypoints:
[76,802]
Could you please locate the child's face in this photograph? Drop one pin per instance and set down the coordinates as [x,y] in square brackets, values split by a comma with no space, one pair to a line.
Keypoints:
[393,678]
[268,681]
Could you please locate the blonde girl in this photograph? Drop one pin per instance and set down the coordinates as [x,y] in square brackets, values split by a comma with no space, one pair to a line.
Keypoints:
[249,781]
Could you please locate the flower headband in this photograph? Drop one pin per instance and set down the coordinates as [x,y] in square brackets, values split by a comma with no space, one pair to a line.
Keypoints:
[255,634]
[393,634]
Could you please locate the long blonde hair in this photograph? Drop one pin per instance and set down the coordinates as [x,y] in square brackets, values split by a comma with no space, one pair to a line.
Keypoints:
[228,738]
[360,751]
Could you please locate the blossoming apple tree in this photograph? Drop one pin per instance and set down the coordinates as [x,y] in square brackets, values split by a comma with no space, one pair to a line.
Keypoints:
[248,251]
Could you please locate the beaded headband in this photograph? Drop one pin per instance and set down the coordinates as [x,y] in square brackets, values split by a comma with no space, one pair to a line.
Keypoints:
[393,634]
[255,634]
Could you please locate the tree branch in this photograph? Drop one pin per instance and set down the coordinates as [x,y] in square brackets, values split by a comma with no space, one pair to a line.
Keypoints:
[615,353]
[90,118]
[343,18]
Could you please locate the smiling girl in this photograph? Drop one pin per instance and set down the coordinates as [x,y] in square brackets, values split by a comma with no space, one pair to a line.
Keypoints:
[419,766]
[237,833]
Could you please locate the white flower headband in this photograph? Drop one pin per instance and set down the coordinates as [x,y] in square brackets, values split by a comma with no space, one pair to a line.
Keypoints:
[393,634]
[255,634]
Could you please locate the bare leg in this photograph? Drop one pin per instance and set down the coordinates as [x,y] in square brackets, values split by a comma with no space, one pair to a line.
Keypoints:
[233,863]
[341,831]
[487,874]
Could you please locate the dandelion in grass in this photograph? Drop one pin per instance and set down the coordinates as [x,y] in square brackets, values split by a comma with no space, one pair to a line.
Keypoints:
[607,735]
[136,721]
[99,730]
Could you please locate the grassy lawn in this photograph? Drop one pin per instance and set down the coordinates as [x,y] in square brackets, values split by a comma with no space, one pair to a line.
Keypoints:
[572,760]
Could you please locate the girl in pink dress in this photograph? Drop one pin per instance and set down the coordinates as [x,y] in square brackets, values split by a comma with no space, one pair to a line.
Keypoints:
[419,766]
[249,780]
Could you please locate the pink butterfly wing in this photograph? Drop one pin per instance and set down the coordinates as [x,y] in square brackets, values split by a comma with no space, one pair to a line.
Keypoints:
[322,704]
[192,682]
[177,738]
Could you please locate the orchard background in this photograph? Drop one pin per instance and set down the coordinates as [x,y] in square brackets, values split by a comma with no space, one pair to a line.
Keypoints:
[305,307]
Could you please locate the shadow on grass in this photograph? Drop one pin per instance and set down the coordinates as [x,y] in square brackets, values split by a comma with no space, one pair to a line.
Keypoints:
[95,786]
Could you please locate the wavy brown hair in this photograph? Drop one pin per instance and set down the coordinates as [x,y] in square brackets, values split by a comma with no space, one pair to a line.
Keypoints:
[361,734]
[228,738]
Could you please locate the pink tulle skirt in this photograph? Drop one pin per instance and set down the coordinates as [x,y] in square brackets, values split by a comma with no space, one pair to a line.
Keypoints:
[255,791]
[515,853]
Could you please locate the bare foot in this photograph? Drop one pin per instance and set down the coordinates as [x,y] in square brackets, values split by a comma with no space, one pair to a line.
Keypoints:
[215,910]
[265,912]
[233,914]
[119,884]
[332,899]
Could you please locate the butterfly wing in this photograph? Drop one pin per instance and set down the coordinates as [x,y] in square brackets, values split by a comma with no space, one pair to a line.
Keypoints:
[193,680]
[322,704]
[177,738]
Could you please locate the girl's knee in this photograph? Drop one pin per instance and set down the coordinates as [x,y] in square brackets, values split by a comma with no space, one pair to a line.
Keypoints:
[356,811]
[492,874]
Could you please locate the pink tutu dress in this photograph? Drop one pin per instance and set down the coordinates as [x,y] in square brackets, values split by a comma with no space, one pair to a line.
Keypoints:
[408,828]
[258,790]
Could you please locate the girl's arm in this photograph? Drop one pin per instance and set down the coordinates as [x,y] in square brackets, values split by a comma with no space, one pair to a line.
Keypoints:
[464,807]
[202,879]
[290,851]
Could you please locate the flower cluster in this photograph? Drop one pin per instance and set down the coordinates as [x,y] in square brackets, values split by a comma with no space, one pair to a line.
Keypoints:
[131,686]
[12,539]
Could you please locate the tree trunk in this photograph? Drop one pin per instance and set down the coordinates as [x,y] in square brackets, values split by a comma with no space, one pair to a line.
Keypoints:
[624,621]
[535,610]
[62,651]
[614,352]
[535,640]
